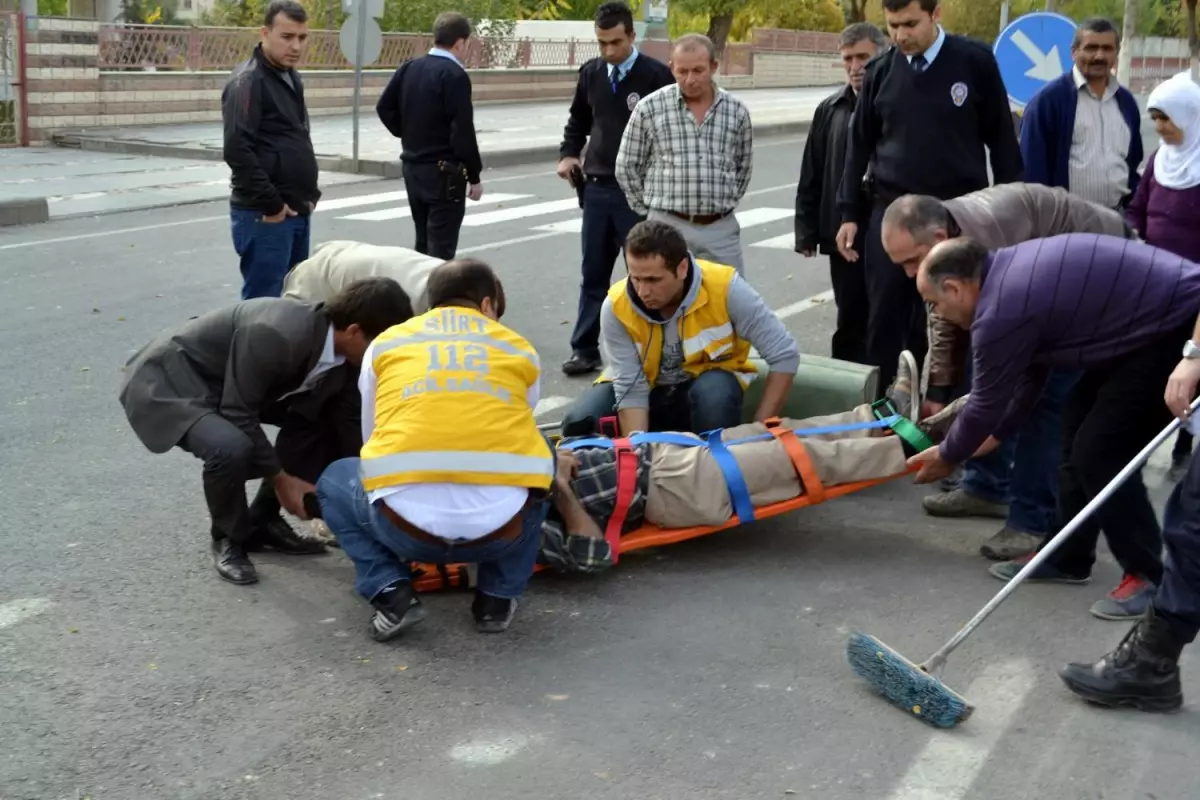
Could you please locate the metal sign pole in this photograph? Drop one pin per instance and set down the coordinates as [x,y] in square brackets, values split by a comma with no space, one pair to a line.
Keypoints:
[361,11]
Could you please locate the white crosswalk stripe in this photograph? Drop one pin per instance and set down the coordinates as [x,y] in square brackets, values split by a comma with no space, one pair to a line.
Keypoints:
[405,212]
[564,214]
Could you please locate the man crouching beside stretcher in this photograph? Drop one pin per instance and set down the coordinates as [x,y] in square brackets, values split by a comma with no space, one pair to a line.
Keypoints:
[676,337]
[454,467]
[673,485]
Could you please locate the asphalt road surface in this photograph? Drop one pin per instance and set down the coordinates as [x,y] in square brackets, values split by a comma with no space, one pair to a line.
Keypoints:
[710,669]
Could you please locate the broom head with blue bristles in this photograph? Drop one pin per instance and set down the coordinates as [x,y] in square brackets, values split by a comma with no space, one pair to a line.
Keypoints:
[905,684]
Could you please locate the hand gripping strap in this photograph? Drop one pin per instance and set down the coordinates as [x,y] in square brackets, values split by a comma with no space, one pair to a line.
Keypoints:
[627,469]
[739,494]
[801,461]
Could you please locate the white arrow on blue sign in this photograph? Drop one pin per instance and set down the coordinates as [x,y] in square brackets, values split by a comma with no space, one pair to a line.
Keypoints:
[1032,51]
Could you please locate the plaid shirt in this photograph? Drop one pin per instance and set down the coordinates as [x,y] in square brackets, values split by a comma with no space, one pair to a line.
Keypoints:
[669,163]
[596,488]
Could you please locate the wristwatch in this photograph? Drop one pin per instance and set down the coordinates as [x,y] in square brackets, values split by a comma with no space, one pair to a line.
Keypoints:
[1191,350]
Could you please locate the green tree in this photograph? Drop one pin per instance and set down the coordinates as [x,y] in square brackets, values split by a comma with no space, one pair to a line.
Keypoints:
[854,11]
[52,8]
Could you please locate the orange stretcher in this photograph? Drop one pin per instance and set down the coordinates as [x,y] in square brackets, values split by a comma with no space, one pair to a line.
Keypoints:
[433,577]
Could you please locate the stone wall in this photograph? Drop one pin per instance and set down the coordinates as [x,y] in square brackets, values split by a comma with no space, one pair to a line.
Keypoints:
[67,91]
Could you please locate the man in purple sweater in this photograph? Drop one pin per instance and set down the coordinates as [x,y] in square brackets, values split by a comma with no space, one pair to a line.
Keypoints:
[1119,311]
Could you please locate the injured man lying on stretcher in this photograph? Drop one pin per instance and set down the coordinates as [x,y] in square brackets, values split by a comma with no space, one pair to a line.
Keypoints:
[681,485]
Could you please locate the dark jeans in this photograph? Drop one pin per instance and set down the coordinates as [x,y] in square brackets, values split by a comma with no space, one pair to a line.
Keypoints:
[304,450]
[268,250]
[1178,597]
[713,400]
[853,306]
[896,315]
[1113,412]
[607,219]
[1023,472]
[437,210]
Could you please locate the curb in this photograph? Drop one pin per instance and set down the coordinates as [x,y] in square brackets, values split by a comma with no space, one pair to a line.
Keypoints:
[376,167]
[24,211]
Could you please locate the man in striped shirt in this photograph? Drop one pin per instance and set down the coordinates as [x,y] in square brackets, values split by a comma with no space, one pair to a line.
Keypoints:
[1116,309]
[686,155]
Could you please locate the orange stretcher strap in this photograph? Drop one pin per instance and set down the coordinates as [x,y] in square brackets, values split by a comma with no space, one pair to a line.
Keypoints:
[627,469]
[805,470]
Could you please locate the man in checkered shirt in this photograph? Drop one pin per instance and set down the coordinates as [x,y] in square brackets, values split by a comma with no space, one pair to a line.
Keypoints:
[686,155]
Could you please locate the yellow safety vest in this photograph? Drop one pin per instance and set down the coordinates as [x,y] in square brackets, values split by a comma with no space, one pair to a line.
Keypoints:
[451,405]
[705,330]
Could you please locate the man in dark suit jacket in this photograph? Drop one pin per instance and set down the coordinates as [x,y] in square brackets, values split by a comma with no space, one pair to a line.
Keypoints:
[209,386]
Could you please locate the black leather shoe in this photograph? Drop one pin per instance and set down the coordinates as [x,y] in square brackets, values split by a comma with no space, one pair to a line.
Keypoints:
[276,534]
[1142,672]
[232,563]
[579,364]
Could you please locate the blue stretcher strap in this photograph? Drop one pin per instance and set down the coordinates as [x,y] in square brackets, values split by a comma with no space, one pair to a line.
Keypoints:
[687,441]
[738,493]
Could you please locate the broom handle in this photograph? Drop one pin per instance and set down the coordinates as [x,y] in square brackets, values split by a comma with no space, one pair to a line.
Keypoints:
[936,660]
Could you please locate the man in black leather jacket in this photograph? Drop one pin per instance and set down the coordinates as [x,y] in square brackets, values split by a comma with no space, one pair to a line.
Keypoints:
[817,217]
[270,152]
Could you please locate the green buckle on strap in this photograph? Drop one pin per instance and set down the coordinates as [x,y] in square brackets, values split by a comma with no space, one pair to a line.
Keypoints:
[902,426]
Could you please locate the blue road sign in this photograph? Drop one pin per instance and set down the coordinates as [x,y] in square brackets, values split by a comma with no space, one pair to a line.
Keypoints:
[1032,51]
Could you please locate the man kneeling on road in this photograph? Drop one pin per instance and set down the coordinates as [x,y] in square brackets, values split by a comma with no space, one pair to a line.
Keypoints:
[454,468]
[209,386]
[1018,482]
[676,336]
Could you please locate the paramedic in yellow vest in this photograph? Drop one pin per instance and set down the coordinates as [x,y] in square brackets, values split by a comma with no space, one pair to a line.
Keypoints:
[676,337]
[454,468]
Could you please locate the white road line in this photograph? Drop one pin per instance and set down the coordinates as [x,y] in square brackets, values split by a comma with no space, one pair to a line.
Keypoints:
[805,304]
[761,215]
[520,212]
[14,611]
[748,218]
[482,248]
[137,229]
[785,242]
[562,205]
[948,765]
[404,212]
[362,200]
[548,404]
[565,226]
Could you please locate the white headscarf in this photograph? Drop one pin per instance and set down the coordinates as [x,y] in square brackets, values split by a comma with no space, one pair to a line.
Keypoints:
[1178,166]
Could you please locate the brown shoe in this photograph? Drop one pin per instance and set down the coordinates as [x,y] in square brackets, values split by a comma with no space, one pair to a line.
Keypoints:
[961,504]
[1009,544]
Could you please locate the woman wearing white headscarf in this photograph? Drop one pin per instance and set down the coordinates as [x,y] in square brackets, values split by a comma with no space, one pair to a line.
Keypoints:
[1166,209]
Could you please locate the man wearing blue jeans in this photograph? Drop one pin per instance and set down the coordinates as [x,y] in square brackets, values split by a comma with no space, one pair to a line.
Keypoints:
[454,467]
[270,154]
[677,335]
[1021,476]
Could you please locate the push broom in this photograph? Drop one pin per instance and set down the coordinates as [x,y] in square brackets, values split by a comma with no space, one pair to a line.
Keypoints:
[914,687]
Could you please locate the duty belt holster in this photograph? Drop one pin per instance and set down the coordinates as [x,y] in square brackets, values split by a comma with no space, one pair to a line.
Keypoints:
[454,177]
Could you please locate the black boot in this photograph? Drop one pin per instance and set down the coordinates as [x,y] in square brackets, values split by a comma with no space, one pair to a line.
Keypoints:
[1142,672]
[232,563]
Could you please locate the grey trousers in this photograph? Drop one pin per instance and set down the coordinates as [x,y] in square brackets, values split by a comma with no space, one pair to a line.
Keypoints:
[720,242]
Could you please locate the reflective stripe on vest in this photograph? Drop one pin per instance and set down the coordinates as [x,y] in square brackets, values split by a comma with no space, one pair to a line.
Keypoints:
[453,461]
